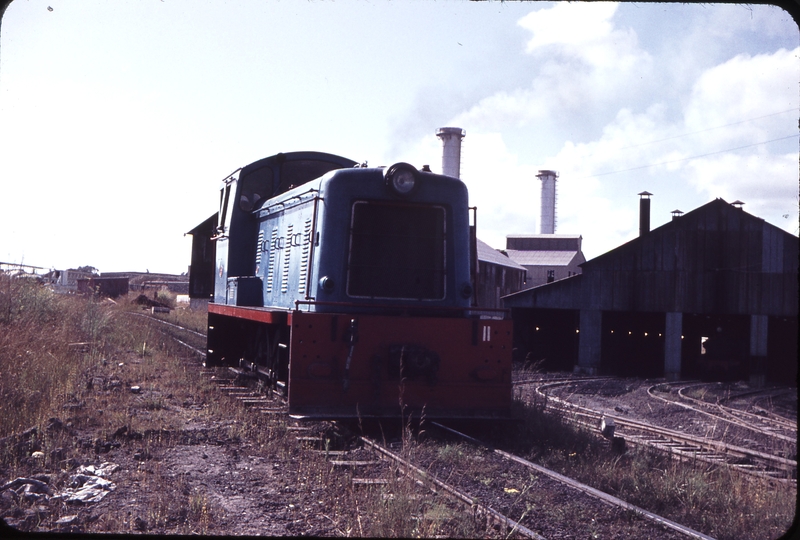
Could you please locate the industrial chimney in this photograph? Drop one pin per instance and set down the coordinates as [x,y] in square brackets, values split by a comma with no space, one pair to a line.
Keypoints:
[644,213]
[451,150]
[548,215]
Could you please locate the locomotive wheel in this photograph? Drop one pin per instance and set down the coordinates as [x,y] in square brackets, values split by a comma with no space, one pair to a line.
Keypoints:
[271,354]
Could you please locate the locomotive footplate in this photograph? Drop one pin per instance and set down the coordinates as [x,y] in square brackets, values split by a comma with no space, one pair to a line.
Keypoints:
[346,365]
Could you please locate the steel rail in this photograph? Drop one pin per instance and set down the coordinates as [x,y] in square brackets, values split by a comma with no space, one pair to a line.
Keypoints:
[523,382]
[584,488]
[779,423]
[422,476]
[735,421]
[683,445]
[167,323]
[190,347]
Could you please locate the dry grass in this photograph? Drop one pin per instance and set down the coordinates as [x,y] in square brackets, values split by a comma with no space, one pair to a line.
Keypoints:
[88,387]
[402,508]
[713,500]
[42,376]
[47,342]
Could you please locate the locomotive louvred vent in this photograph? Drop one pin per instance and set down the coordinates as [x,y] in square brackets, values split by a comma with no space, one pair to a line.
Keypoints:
[287,257]
[258,247]
[305,256]
[397,251]
[271,267]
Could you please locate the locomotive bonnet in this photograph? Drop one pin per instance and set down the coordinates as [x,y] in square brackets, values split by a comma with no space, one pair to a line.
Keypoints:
[349,288]
[360,235]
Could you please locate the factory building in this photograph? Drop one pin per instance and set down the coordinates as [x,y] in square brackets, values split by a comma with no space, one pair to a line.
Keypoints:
[712,293]
[546,257]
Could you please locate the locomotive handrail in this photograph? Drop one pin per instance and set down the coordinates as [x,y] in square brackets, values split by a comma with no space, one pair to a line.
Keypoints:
[310,273]
[405,308]
[270,208]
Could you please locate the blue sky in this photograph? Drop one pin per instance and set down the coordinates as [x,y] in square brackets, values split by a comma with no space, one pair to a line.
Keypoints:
[119,119]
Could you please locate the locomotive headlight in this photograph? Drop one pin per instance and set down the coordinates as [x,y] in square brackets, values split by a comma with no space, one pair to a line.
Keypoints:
[401,178]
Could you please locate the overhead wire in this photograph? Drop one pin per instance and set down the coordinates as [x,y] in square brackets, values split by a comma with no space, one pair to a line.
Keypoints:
[709,129]
[697,156]
[688,158]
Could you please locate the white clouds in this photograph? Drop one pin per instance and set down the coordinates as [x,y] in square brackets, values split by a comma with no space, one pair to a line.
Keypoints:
[576,25]
[766,183]
[583,64]
[746,87]
[505,191]
[764,176]
[730,105]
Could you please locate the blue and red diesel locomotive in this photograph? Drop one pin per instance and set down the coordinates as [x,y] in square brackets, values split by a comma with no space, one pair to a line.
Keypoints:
[349,288]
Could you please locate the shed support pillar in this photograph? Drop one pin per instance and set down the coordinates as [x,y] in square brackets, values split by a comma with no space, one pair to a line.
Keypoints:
[759,327]
[673,329]
[589,341]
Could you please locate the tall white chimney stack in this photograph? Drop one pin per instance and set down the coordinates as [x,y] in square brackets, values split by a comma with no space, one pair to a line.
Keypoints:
[451,149]
[548,215]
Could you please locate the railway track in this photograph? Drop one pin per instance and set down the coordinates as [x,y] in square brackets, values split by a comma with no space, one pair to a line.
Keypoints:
[778,428]
[679,445]
[238,386]
[586,489]
[179,328]
[241,386]
[375,470]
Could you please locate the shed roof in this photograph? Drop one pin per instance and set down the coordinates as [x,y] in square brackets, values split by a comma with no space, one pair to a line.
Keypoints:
[542,258]
[544,242]
[487,253]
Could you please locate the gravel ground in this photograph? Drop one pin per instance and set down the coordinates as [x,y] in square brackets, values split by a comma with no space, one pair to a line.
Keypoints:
[540,503]
[197,469]
[628,398]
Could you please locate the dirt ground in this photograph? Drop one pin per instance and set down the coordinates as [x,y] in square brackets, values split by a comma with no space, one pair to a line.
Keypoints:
[152,446]
[195,469]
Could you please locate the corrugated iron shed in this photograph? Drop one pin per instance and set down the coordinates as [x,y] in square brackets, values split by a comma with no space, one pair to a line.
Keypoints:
[715,279]
[496,277]
[715,259]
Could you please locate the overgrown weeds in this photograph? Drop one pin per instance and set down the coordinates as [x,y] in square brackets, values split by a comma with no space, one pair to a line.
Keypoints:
[715,500]
[46,342]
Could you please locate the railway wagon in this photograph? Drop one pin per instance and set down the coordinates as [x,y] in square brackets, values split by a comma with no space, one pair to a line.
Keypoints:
[349,289]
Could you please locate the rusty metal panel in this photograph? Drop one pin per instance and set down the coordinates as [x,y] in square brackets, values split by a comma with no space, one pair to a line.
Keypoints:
[442,367]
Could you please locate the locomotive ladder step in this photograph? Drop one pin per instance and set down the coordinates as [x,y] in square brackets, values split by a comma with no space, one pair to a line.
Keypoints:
[345,463]
[332,452]
[311,441]
[254,401]
[369,481]
[686,449]
[269,410]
